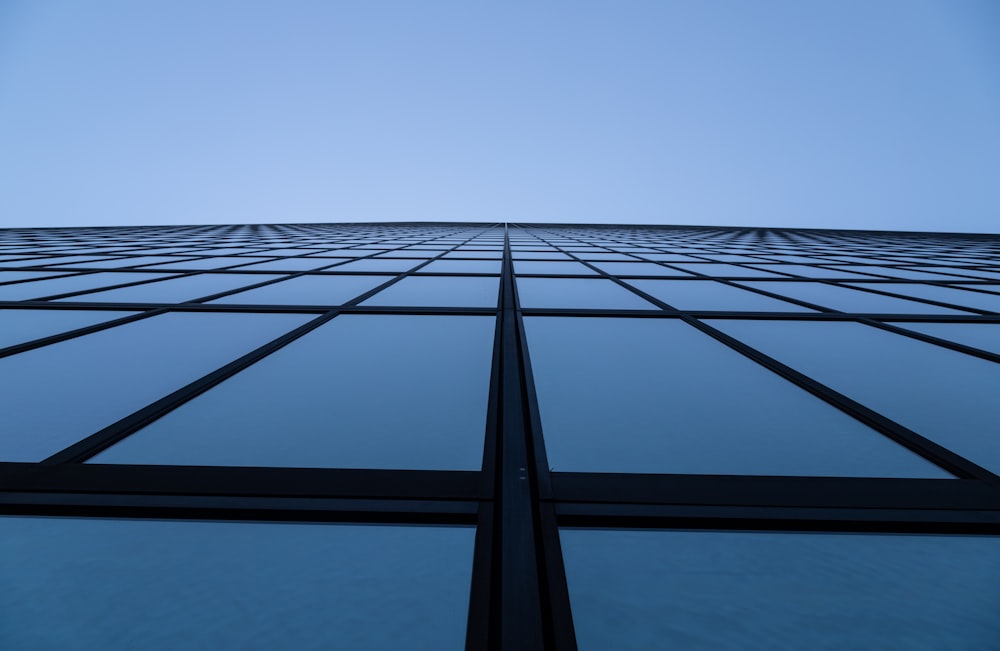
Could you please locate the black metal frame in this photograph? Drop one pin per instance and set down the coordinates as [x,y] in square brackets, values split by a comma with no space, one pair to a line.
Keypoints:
[519,597]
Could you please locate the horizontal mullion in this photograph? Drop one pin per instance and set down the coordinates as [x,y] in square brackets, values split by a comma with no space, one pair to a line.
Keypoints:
[244,481]
[776,491]
[727,518]
[239,508]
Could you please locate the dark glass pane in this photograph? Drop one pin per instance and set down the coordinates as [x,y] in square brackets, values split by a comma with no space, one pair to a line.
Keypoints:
[67,284]
[59,394]
[359,392]
[710,295]
[426,291]
[592,293]
[847,300]
[463,267]
[944,395]
[160,584]
[18,326]
[657,396]
[744,591]
[176,290]
[985,336]
[546,267]
[307,290]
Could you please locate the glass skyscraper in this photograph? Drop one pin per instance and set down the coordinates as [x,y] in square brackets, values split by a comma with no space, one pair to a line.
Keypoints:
[498,436]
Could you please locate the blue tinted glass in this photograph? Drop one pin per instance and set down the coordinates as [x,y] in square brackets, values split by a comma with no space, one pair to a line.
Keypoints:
[472,254]
[530,267]
[710,295]
[207,263]
[578,293]
[67,284]
[359,392]
[847,300]
[307,290]
[657,396]
[131,262]
[741,591]
[8,276]
[894,272]
[638,269]
[463,267]
[18,326]
[378,264]
[808,272]
[440,292]
[158,585]
[985,336]
[539,254]
[724,270]
[175,290]
[59,394]
[949,397]
[951,295]
[291,264]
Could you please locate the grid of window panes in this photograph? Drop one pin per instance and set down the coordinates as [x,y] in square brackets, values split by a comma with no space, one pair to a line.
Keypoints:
[498,436]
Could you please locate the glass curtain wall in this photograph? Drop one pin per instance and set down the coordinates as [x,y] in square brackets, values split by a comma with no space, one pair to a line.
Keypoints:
[498,436]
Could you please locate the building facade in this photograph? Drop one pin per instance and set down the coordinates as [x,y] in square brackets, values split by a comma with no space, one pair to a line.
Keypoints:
[498,436]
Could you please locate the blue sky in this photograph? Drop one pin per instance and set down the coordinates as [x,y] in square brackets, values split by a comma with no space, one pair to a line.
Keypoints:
[827,113]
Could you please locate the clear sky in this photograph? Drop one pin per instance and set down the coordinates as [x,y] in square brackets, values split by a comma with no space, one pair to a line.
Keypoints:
[810,113]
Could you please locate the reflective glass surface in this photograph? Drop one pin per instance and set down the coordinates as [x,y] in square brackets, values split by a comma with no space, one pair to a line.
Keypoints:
[463,267]
[960,297]
[157,585]
[176,290]
[949,397]
[53,286]
[307,290]
[363,391]
[58,394]
[18,326]
[657,396]
[743,591]
[545,267]
[985,336]
[711,295]
[844,299]
[598,293]
[427,291]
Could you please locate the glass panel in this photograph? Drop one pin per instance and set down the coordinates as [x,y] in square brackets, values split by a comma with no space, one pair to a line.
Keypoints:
[944,395]
[232,585]
[378,264]
[529,267]
[9,276]
[207,263]
[594,293]
[847,300]
[710,295]
[291,264]
[808,272]
[176,290]
[59,394]
[539,255]
[638,269]
[426,291]
[463,267]
[67,284]
[131,262]
[951,295]
[19,326]
[472,254]
[360,392]
[985,336]
[724,270]
[307,290]
[658,396]
[759,591]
